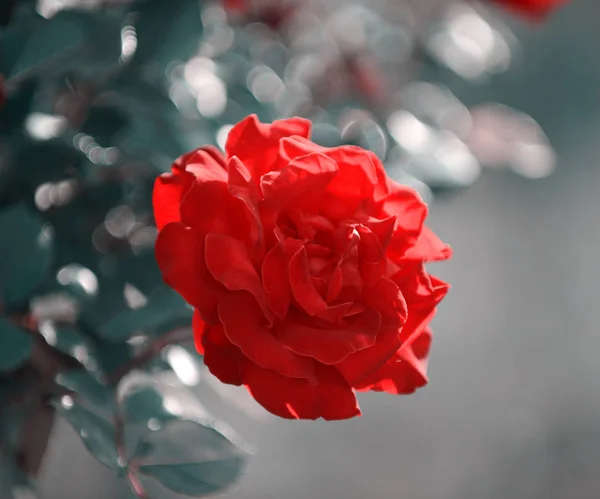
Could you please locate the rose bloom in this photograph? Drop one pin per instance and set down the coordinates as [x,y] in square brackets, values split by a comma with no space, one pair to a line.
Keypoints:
[305,266]
[535,8]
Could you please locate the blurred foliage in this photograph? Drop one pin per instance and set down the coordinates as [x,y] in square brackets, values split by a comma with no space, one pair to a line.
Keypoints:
[86,128]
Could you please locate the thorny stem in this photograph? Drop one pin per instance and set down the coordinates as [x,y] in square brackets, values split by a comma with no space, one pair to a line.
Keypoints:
[178,335]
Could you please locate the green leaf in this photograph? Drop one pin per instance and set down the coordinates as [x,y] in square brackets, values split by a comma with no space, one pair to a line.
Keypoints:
[97,434]
[197,479]
[166,31]
[14,483]
[57,38]
[25,255]
[69,340]
[191,458]
[165,309]
[15,346]
[172,441]
[88,389]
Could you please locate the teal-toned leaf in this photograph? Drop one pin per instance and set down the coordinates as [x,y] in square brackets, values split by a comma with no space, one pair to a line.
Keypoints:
[13,40]
[171,439]
[199,479]
[88,389]
[57,38]
[14,483]
[25,255]
[112,356]
[11,423]
[96,433]
[15,346]
[69,340]
[144,408]
[191,458]
[165,309]
[166,31]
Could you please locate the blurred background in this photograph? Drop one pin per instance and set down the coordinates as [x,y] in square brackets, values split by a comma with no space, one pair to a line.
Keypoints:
[494,118]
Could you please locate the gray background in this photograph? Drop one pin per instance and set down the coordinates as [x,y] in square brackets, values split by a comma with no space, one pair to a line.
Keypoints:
[513,407]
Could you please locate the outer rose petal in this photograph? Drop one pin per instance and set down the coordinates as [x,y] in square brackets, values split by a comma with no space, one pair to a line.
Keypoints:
[534,8]
[389,340]
[256,144]
[198,327]
[169,190]
[427,248]
[357,177]
[203,164]
[405,372]
[222,357]
[179,252]
[300,183]
[331,398]
[410,210]
[362,363]
[241,320]
[364,166]
[210,207]
[228,260]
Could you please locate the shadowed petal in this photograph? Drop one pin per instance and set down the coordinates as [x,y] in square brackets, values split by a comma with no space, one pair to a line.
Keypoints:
[330,398]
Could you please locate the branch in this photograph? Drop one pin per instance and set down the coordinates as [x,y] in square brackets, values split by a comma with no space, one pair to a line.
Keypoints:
[136,485]
[178,335]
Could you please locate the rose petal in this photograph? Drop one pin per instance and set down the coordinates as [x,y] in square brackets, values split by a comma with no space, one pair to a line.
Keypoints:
[357,177]
[208,157]
[198,329]
[410,210]
[405,372]
[300,183]
[240,181]
[386,297]
[335,285]
[169,190]
[256,144]
[276,282]
[243,188]
[222,357]
[302,288]
[294,147]
[179,252]
[228,260]
[203,164]
[427,248]
[361,173]
[209,207]
[241,320]
[389,340]
[330,398]
[329,345]
[362,363]
[383,186]
[383,229]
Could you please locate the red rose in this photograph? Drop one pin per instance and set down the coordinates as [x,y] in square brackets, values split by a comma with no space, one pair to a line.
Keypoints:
[305,266]
[535,8]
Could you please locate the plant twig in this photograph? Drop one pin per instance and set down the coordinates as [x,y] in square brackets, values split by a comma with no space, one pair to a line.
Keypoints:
[178,335]
[134,481]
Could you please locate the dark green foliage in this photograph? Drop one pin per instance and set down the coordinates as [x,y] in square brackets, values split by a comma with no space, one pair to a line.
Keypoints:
[87,126]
